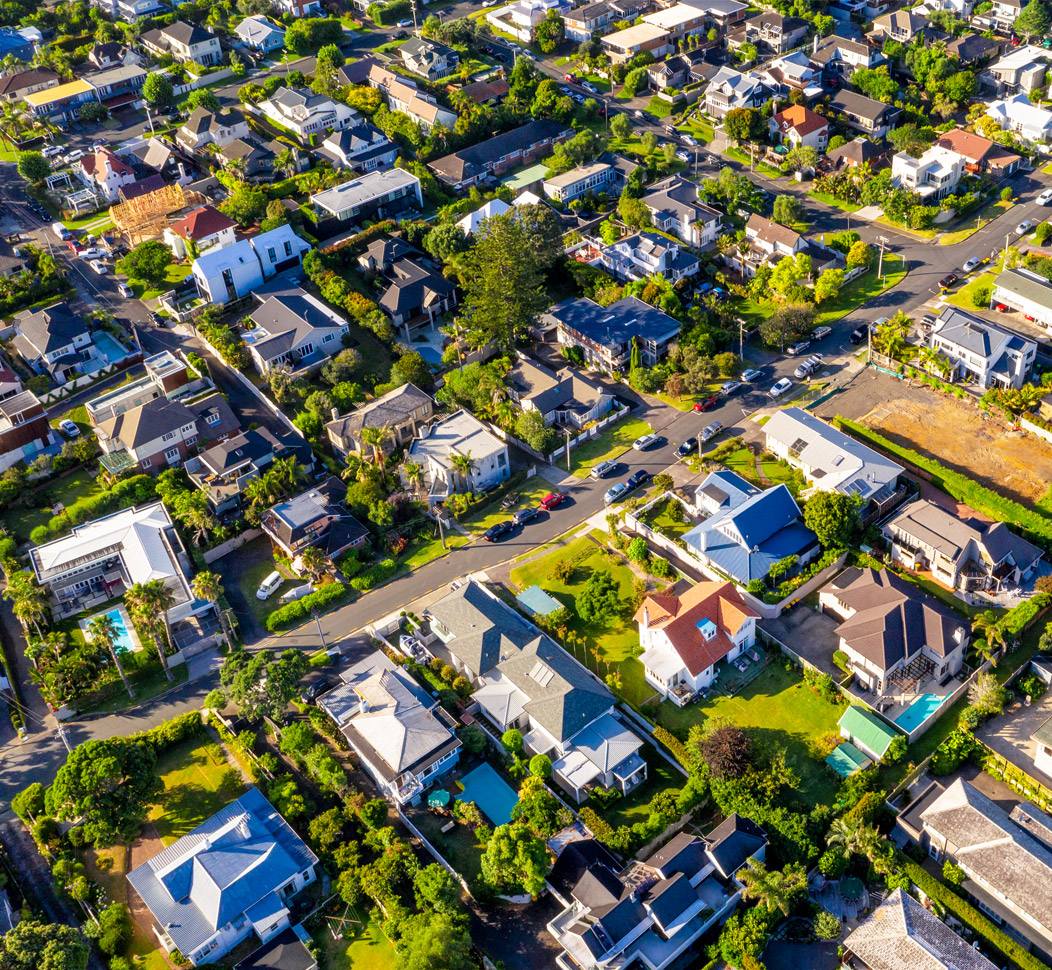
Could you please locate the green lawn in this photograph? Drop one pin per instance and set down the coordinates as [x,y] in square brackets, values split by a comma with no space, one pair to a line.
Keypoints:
[490,514]
[459,846]
[196,786]
[250,579]
[659,107]
[943,595]
[602,83]
[423,551]
[963,296]
[661,776]
[147,678]
[832,200]
[177,272]
[701,130]
[860,291]
[762,167]
[778,709]
[610,442]
[77,487]
[975,221]
[924,234]
[363,947]
[617,639]
[96,223]
[664,523]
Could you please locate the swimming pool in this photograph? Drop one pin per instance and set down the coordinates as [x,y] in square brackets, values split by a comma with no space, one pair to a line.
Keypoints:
[126,641]
[919,711]
[490,792]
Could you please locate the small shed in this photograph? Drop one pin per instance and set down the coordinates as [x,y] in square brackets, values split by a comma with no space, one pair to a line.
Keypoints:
[847,759]
[537,602]
[866,731]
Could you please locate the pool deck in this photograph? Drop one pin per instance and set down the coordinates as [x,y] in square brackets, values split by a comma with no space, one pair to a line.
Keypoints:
[893,705]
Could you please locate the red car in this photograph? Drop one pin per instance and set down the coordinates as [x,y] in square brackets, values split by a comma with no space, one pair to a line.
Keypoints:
[572,78]
[707,405]
[552,500]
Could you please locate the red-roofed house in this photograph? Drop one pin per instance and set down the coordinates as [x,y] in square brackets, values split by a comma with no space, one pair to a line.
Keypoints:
[685,637]
[980,154]
[203,229]
[797,125]
[106,172]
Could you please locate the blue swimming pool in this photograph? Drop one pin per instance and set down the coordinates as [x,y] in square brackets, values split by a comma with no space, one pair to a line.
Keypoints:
[494,797]
[919,711]
[123,643]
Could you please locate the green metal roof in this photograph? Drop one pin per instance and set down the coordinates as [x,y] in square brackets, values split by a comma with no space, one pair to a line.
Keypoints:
[537,602]
[864,726]
[847,759]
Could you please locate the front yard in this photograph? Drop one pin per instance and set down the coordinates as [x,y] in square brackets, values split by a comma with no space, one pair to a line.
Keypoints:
[176,273]
[963,296]
[490,514]
[609,443]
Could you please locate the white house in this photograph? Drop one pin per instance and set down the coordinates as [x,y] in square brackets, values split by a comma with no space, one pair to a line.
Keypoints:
[1018,115]
[768,243]
[461,434]
[674,208]
[982,351]
[107,173]
[731,89]
[200,230]
[933,176]
[293,330]
[187,43]
[520,17]
[401,94]
[473,220]
[203,128]
[306,114]
[685,637]
[233,272]
[362,148]
[607,173]
[1028,292]
[645,254]
[261,34]
[794,72]
[374,196]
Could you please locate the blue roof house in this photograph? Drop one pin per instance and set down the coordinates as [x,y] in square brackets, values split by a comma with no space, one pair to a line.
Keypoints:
[747,530]
[230,877]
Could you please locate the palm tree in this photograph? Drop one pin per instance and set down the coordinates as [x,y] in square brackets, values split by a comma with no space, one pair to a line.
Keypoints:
[844,835]
[149,604]
[464,465]
[412,474]
[375,437]
[207,586]
[988,626]
[930,360]
[314,561]
[774,889]
[194,512]
[505,413]
[1029,396]
[355,467]
[288,474]
[285,161]
[103,633]
[237,168]
[29,599]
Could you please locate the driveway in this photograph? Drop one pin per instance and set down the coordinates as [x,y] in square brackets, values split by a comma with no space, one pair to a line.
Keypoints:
[517,937]
[809,633]
[1009,735]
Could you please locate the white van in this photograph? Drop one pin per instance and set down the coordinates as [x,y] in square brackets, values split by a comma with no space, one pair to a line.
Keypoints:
[61,231]
[269,585]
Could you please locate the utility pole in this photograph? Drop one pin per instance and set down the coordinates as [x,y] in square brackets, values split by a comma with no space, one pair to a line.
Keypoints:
[416,30]
[741,339]
[1004,267]
[317,619]
[441,534]
[566,431]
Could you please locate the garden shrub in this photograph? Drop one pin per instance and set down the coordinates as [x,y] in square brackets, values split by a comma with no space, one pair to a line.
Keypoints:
[865,809]
[329,595]
[675,747]
[374,575]
[1033,686]
[958,747]
[833,863]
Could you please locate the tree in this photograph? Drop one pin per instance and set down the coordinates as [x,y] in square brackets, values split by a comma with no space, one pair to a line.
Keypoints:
[828,284]
[774,890]
[244,204]
[742,124]
[801,158]
[833,518]
[110,783]
[530,426]
[262,685]
[512,741]
[876,83]
[986,694]
[787,210]
[826,925]
[1035,18]
[158,91]
[436,889]
[635,81]
[149,603]
[149,262]
[102,632]
[860,254]
[32,945]
[33,167]
[600,599]
[541,766]
[204,98]
[637,550]
[431,940]
[92,111]
[621,127]
[728,751]
[473,739]
[515,859]
[411,368]
[549,32]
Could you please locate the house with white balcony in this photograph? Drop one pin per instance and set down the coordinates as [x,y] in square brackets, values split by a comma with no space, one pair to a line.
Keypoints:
[403,737]
[674,208]
[645,254]
[293,330]
[428,58]
[521,17]
[306,114]
[933,176]
[731,89]
[767,243]
[583,22]
[187,43]
[1004,13]
[361,148]
[1016,114]
[376,195]
[461,434]
[982,351]
[401,94]
[567,397]
[651,912]
[794,72]
[1023,68]
[623,45]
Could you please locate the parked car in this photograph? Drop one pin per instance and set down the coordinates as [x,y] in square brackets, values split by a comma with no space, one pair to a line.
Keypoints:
[820,333]
[971,264]
[711,431]
[316,689]
[525,515]
[688,140]
[98,267]
[798,348]
[552,500]
[615,492]
[731,387]
[405,24]
[269,585]
[645,442]
[61,231]
[706,404]
[750,375]
[68,428]
[638,478]
[494,532]
[809,366]
[1045,198]
[781,387]
[500,56]
[687,448]
[401,35]
[927,322]
[602,469]
[1024,227]
[563,89]
[948,280]
[682,155]
[52,150]
[858,334]
[92,252]
[590,87]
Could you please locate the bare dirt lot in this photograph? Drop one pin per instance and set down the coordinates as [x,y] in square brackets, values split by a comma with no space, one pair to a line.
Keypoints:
[964,438]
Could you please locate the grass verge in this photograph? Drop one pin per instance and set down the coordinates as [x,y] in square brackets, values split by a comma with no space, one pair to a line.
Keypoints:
[612,441]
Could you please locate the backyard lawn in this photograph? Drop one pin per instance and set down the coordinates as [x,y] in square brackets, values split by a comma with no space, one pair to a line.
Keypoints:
[197,784]
[661,776]
[363,947]
[658,518]
[459,846]
[617,640]
[69,491]
[610,443]
[779,710]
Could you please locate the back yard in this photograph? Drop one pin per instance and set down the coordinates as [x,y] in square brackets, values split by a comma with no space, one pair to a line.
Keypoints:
[363,947]
[78,486]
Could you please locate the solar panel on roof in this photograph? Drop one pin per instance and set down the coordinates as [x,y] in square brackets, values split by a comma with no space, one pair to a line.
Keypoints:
[542,674]
[796,447]
[856,487]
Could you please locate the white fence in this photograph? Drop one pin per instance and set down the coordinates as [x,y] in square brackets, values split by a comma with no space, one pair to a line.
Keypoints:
[217,552]
[63,391]
[1035,429]
[199,82]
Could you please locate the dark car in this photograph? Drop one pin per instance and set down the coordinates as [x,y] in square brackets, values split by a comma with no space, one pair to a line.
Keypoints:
[494,532]
[638,478]
[525,515]
[316,689]
[499,56]
[687,448]
[858,334]
[707,404]
[401,35]
[948,280]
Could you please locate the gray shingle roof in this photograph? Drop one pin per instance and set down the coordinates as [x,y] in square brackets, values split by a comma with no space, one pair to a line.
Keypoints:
[469,162]
[50,328]
[393,408]
[614,326]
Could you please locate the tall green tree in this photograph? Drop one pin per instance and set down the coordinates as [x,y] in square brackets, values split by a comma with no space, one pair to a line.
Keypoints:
[1034,20]
[158,91]
[515,859]
[33,167]
[33,945]
[102,632]
[833,517]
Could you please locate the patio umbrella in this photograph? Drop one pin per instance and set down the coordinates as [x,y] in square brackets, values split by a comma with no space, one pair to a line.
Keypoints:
[851,888]
[439,798]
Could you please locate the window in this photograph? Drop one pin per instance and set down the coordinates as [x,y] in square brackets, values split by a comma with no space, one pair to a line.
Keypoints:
[168,437]
[172,454]
[190,442]
[502,460]
[288,247]
[212,418]
[328,338]
[146,463]
[272,254]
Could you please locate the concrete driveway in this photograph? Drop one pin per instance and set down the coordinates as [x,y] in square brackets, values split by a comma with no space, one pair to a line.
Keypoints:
[809,633]
[1009,735]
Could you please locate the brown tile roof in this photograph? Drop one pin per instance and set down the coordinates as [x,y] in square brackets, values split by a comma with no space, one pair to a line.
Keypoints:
[771,232]
[966,143]
[802,120]
[201,223]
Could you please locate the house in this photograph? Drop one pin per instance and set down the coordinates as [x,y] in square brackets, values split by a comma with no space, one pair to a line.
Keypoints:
[768,243]
[981,155]
[974,49]
[860,154]
[723,15]
[900,26]
[831,460]
[286,951]
[840,55]
[314,518]
[293,330]
[567,397]
[491,92]
[205,128]
[14,87]
[401,411]
[524,680]
[187,43]
[747,530]
[305,114]
[623,45]
[473,220]
[866,732]
[19,44]
[797,126]
[896,638]
[63,101]
[650,913]
[253,159]
[102,558]
[223,470]
[605,334]
[401,94]
[118,87]
[54,340]
[933,176]
[608,173]
[873,118]
[428,58]
[962,554]
[1023,68]
[582,23]
[199,230]
[900,934]
[361,148]
[12,262]
[416,292]
[645,254]
[162,433]
[10,383]
[678,70]
[374,196]
[680,21]
[1026,291]
[261,34]
[460,434]
[298,9]
[129,11]
[1005,853]
[112,53]
[106,173]
[166,376]
[24,428]
[498,155]
[233,875]
[232,272]
[981,351]
[674,208]
[1004,13]
[731,89]
[794,72]
[520,17]
[1018,115]
[1042,737]
[684,638]
[770,33]
[401,734]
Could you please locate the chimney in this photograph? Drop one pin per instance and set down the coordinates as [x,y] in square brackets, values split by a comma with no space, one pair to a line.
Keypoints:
[646,618]
[703,540]
[335,414]
[814,47]
[958,634]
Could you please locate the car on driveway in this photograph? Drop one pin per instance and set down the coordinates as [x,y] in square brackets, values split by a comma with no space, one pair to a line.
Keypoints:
[711,431]
[687,448]
[1024,227]
[525,515]
[645,442]
[494,532]
[316,689]
[638,478]
[809,366]
[750,375]
[706,404]
[731,387]
[971,264]
[552,500]
[949,280]
[1045,198]
[614,493]
[68,428]
[602,469]
[781,387]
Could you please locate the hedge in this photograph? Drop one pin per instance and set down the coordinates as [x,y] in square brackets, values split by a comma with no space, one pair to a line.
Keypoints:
[328,595]
[127,492]
[995,938]
[1031,521]
[172,732]
[374,575]
[675,747]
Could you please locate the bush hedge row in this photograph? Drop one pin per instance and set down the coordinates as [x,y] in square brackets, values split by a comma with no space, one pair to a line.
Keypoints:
[675,747]
[328,595]
[374,575]
[1035,524]
[997,939]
